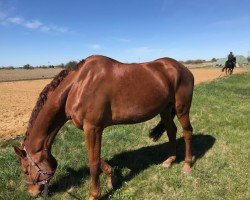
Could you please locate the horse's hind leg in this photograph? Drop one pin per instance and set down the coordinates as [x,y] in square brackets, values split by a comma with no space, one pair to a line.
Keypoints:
[167,118]
[182,112]
[187,135]
[183,100]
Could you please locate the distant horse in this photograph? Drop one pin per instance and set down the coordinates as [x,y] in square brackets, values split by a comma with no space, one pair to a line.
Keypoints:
[100,92]
[229,66]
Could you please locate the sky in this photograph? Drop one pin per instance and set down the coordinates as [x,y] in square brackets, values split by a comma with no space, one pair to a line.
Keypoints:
[52,32]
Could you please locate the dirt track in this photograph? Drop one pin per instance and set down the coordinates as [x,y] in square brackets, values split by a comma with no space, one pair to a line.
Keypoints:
[17,100]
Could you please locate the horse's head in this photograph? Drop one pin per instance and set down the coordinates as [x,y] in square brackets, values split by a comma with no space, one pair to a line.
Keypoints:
[38,169]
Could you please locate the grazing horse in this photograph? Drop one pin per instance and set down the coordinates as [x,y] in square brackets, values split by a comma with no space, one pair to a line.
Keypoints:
[100,92]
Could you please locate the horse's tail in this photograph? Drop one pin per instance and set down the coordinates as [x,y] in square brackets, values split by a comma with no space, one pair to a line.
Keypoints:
[157,131]
[160,128]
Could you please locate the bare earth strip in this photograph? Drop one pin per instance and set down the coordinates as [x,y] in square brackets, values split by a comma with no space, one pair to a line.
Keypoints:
[24,74]
[18,98]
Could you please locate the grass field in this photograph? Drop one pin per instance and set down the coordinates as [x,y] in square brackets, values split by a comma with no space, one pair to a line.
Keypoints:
[221,141]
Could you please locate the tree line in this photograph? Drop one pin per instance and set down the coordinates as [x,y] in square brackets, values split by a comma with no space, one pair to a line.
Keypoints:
[28,66]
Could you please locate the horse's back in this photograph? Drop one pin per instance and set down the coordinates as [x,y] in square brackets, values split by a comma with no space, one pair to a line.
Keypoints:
[163,69]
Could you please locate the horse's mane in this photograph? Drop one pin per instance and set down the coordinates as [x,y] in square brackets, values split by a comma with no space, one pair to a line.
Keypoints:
[50,87]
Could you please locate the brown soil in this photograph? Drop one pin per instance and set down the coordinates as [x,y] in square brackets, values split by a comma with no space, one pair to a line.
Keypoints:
[24,74]
[18,98]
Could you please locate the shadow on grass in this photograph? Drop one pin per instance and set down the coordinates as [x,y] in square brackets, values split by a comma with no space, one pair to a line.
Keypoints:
[72,178]
[137,161]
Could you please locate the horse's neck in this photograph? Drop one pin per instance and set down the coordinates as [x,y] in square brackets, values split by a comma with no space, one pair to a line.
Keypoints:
[48,122]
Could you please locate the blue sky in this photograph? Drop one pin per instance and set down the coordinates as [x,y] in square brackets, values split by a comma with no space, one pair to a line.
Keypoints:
[53,32]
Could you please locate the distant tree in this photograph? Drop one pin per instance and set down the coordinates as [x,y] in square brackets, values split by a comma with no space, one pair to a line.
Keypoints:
[248,59]
[213,60]
[198,61]
[70,64]
[60,66]
[7,67]
[27,66]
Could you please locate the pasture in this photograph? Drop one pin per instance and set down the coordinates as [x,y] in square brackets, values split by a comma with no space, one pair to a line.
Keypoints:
[221,140]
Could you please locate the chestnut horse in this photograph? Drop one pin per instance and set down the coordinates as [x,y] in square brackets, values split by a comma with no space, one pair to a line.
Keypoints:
[100,92]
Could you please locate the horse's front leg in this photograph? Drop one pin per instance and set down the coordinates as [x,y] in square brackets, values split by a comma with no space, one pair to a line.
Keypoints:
[93,135]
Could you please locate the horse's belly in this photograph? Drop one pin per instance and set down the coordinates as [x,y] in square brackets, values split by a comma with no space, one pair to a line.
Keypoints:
[131,118]
[137,111]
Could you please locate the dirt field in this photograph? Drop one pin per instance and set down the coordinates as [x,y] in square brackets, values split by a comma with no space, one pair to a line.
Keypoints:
[24,74]
[17,99]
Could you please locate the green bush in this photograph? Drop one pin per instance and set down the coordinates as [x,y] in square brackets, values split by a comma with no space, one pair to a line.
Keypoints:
[27,66]
[70,64]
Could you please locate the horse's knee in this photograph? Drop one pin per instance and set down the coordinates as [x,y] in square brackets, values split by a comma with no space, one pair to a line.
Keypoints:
[188,128]
[181,110]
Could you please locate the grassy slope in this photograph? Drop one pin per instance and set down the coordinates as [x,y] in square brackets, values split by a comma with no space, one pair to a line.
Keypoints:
[220,117]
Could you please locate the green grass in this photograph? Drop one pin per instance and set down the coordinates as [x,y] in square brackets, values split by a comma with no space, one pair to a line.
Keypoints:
[221,141]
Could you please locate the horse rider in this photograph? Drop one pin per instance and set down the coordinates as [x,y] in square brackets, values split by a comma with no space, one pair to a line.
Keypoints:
[231,58]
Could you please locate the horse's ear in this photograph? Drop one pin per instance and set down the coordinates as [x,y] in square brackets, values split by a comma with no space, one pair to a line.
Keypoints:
[21,153]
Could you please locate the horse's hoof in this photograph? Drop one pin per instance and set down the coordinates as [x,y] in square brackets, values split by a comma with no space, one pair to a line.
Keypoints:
[166,165]
[112,182]
[110,185]
[169,162]
[92,198]
[187,169]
